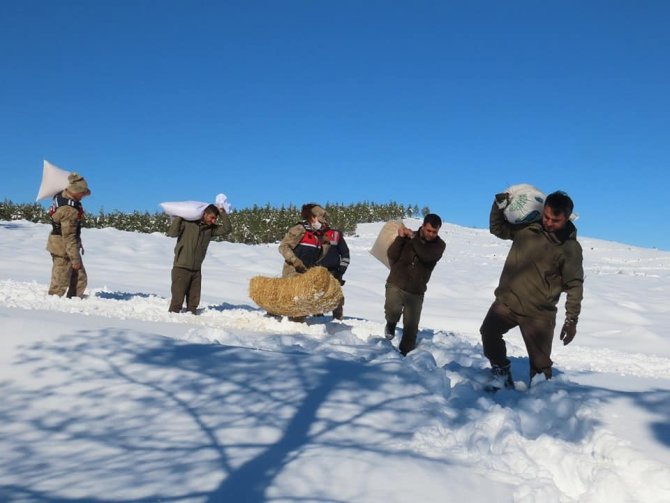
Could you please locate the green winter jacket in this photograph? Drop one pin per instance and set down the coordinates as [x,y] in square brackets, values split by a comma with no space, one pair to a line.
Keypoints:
[193,237]
[412,262]
[539,266]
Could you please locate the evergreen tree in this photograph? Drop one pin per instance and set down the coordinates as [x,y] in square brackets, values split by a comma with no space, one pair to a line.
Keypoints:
[256,225]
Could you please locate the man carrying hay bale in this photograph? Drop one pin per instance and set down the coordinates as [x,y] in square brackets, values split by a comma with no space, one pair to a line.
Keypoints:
[336,260]
[304,243]
[412,256]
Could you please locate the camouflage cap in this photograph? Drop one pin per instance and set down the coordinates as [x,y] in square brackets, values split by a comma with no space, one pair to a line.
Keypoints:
[77,184]
[320,214]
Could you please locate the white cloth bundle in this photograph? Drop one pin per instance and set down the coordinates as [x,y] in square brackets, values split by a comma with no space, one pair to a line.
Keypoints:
[222,202]
[193,210]
[188,210]
[54,180]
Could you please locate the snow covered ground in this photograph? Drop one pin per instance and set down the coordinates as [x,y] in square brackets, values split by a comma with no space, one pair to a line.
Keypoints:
[111,398]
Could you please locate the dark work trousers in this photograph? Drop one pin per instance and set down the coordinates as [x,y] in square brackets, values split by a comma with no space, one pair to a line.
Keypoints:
[537,335]
[338,312]
[185,284]
[408,305]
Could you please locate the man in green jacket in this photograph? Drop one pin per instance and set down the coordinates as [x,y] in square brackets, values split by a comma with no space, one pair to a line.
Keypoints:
[545,260]
[193,237]
[412,256]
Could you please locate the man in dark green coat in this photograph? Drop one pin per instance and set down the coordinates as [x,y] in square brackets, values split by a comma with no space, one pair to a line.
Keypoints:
[412,256]
[545,260]
[193,237]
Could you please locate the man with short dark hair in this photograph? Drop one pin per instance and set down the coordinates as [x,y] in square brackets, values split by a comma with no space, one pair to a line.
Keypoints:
[545,260]
[412,256]
[193,237]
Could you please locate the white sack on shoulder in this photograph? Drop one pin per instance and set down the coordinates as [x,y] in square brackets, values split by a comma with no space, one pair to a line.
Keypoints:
[386,236]
[221,201]
[188,210]
[525,204]
[54,180]
[193,210]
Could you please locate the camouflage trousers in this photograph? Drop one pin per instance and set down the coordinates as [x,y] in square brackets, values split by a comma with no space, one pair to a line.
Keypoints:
[64,279]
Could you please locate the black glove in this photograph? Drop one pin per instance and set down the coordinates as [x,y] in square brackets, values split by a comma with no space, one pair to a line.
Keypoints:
[338,274]
[568,331]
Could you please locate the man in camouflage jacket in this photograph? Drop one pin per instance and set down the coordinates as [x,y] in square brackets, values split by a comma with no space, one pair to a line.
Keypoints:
[304,243]
[68,274]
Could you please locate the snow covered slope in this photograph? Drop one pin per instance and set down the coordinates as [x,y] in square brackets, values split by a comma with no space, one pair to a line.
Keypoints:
[113,398]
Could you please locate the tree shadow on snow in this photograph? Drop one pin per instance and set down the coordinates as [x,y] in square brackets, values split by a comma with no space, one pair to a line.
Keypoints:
[113,415]
[659,402]
[655,401]
[123,295]
[225,306]
[547,407]
[10,226]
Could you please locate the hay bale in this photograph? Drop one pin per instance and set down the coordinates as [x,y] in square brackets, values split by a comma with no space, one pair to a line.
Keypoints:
[386,236]
[315,291]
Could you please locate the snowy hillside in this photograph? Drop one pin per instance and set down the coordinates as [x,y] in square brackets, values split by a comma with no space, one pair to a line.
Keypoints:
[111,398]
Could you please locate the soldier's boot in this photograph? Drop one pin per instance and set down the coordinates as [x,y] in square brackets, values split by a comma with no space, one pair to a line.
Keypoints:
[501,378]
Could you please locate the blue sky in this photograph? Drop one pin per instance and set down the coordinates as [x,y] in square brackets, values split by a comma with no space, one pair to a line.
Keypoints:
[435,103]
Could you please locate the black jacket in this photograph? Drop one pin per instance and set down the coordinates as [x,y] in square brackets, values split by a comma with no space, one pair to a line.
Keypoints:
[412,262]
[336,260]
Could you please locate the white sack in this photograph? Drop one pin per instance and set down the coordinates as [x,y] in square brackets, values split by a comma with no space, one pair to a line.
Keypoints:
[221,201]
[193,210]
[386,236]
[525,205]
[54,180]
[188,210]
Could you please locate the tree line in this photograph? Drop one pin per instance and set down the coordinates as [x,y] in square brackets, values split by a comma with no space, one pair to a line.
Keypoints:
[256,225]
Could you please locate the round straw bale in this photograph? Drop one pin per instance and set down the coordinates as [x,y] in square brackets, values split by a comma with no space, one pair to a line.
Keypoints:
[315,291]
